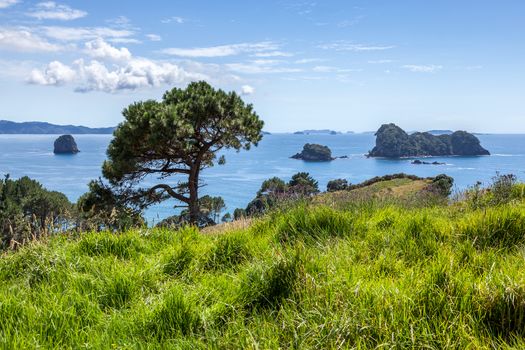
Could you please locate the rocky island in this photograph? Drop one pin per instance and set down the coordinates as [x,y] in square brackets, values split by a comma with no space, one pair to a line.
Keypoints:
[394,142]
[419,162]
[314,153]
[65,144]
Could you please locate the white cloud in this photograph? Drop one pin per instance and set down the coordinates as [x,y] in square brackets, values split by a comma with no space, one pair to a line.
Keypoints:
[332,69]
[273,54]
[247,90]
[124,41]
[128,74]
[7,3]
[430,68]
[259,68]
[137,73]
[348,46]
[120,21]
[52,10]
[55,74]
[154,37]
[23,40]
[222,50]
[85,33]
[309,60]
[175,19]
[100,49]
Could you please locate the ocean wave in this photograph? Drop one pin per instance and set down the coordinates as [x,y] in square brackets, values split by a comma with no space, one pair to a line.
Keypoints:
[507,155]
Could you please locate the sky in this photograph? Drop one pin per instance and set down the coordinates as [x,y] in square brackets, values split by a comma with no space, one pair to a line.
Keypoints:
[347,65]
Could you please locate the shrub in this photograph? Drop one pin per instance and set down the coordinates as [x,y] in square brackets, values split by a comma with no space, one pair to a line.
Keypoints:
[502,188]
[337,185]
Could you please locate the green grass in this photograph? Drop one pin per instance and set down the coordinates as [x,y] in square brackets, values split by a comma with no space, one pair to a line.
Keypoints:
[367,275]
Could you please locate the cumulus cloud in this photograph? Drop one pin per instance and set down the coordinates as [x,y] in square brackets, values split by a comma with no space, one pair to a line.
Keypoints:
[135,74]
[100,49]
[23,40]
[430,68]
[56,73]
[7,3]
[247,90]
[153,37]
[222,50]
[52,10]
[125,73]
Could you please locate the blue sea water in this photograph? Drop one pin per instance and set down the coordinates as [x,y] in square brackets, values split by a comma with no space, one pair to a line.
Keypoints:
[241,176]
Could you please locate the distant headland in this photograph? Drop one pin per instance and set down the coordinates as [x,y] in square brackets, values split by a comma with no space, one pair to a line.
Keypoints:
[314,132]
[9,127]
[394,142]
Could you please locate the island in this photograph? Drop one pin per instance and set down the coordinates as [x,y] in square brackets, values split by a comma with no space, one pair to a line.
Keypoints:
[34,128]
[394,142]
[65,144]
[314,153]
[316,132]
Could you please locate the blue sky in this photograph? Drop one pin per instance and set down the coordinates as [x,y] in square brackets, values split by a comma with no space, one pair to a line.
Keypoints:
[344,65]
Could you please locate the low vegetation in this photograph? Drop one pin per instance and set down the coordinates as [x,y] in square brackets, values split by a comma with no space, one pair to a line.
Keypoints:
[379,272]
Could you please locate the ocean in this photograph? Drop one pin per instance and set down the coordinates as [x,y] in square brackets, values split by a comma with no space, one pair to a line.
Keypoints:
[239,179]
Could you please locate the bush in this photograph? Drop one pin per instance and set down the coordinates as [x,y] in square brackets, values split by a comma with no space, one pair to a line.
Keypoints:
[337,185]
[502,188]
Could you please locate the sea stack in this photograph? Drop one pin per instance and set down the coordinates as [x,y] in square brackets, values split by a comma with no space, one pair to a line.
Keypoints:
[314,153]
[65,144]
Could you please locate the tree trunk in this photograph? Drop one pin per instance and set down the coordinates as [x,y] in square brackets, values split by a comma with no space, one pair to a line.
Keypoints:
[193,204]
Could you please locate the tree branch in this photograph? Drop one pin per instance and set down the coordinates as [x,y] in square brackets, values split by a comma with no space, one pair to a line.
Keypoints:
[170,191]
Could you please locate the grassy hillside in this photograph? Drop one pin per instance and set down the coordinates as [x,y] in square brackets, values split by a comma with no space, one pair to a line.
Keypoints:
[360,274]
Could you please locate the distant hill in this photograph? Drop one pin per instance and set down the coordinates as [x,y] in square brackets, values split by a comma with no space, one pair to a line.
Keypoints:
[323,131]
[9,127]
[440,132]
